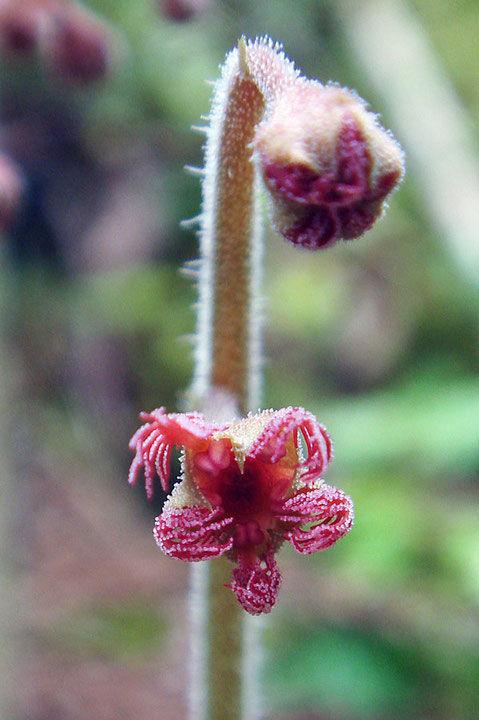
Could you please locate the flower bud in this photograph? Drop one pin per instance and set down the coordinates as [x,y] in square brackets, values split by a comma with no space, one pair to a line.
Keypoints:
[327,164]
[78,48]
[182,10]
[19,29]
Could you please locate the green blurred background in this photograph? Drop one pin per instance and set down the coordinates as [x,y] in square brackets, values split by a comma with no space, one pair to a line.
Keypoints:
[379,338]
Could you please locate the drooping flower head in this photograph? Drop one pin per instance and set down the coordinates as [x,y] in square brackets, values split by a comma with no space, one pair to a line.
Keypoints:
[327,164]
[246,488]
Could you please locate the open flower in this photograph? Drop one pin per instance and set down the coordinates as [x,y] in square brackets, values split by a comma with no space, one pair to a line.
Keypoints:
[246,487]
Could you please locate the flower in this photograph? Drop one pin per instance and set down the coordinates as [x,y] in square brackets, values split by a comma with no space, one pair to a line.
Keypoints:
[327,164]
[246,488]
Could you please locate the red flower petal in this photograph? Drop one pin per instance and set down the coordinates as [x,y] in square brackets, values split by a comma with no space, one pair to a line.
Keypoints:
[186,429]
[270,445]
[328,512]
[343,185]
[256,586]
[154,440]
[317,228]
[193,533]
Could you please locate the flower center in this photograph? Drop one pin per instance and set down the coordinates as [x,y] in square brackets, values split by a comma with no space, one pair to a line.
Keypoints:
[242,494]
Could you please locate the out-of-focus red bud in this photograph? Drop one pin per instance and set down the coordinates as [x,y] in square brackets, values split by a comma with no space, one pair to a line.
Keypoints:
[19,28]
[182,10]
[327,163]
[78,47]
[11,190]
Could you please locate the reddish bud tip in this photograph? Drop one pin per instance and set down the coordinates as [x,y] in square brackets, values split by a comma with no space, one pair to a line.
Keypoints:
[327,164]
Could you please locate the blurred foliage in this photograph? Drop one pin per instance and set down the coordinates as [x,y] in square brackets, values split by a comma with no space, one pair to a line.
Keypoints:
[375,675]
[122,632]
[379,339]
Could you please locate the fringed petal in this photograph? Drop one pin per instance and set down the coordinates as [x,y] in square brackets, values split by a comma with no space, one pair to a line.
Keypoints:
[154,440]
[146,437]
[319,446]
[256,586]
[186,429]
[327,512]
[270,445]
[193,533]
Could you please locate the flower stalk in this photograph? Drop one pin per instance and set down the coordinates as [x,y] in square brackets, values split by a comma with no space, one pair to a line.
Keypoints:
[230,246]
[228,355]
[246,485]
[228,347]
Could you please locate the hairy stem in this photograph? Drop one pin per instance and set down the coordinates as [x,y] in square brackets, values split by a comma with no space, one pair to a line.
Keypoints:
[225,646]
[227,362]
[235,225]
[230,237]
[227,377]
[236,241]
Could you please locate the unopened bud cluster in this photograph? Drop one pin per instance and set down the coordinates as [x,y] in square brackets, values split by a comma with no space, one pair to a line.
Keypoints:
[327,163]
[183,10]
[69,39]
